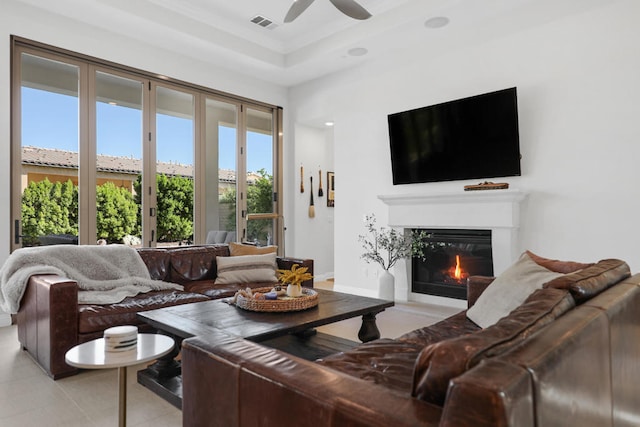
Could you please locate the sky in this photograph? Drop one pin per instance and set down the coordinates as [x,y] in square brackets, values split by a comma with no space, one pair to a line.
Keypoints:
[50,120]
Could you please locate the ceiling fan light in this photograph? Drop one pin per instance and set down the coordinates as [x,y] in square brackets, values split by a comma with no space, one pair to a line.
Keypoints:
[351,8]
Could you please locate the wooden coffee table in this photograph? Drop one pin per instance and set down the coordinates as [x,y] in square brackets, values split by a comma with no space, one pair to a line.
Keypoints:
[292,332]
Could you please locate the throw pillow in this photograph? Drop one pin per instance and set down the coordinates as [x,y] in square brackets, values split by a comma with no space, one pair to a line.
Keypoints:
[509,290]
[246,269]
[238,249]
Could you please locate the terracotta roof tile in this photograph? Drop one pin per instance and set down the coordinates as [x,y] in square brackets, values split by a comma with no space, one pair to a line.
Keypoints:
[69,160]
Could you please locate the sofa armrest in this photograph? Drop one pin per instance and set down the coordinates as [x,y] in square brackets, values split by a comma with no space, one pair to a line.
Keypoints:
[285,263]
[48,322]
[232,382]
[492,394]
[476,286]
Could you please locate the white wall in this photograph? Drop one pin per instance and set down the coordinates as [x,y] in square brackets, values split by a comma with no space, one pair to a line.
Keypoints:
[311,237]
[579,93]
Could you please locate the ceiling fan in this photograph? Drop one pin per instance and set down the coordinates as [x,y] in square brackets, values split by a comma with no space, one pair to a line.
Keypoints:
[349,7]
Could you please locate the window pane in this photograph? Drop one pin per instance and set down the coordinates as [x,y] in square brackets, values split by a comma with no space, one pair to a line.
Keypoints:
[119,158]
[174,166]
[260,176]
[221,135]
[50,140]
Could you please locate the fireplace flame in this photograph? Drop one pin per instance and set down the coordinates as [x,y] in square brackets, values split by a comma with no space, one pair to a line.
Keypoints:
[458,271]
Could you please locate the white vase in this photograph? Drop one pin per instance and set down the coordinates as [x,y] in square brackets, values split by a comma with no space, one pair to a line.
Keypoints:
[386,286]
[294,291]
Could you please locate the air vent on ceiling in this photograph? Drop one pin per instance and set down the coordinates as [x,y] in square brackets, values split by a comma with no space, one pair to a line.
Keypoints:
[264,22]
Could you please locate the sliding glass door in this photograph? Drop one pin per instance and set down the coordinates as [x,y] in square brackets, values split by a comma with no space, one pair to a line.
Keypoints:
[103,154]
[172,218]
[46,158]
[221,144]
[119,134]
[261,211]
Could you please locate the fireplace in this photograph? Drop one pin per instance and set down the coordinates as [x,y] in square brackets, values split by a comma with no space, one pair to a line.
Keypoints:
[495,211]
[451,257]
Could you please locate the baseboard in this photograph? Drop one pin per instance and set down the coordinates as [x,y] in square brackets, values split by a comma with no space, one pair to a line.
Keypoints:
[371,293]
[5,319]
[323,277]
[440,301]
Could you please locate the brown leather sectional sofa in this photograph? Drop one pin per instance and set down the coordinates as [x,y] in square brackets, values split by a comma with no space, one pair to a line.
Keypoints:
[50,320]
[568,356]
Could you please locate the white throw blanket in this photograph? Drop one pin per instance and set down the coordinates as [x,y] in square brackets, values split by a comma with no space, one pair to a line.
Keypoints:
[105,274]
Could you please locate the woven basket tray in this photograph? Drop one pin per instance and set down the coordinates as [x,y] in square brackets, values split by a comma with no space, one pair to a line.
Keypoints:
[284,303]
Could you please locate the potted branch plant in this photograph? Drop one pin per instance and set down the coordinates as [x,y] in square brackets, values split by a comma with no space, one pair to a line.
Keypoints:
[385,247]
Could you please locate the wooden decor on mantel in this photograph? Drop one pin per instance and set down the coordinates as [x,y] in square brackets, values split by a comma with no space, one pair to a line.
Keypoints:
[487,185]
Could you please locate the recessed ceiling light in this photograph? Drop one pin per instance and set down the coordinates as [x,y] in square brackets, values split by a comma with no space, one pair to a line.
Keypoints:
[436,22]
[357,51]
[329,124]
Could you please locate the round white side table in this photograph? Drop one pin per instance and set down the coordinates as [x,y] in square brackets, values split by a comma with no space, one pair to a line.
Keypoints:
[91,355]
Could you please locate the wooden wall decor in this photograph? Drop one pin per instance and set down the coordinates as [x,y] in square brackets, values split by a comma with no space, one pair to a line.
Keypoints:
[331,189]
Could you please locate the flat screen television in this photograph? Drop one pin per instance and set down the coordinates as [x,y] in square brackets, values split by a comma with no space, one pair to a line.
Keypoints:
[469,138]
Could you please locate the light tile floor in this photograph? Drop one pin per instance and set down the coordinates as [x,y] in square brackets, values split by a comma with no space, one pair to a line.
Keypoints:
[29,398]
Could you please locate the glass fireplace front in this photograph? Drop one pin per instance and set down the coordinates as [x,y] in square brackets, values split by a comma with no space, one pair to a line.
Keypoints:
[451,257]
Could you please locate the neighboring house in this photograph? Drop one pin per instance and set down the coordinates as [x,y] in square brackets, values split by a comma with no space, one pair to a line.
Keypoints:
[60,166]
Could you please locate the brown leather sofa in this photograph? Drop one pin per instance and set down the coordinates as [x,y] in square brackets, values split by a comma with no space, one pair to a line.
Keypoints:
[50,320]
[568,356]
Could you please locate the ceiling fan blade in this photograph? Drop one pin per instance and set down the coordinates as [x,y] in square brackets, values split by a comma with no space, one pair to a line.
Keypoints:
[351,9]
[296,9]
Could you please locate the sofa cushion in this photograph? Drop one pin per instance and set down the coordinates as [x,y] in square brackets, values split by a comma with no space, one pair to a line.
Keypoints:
[246,269]
[98,317]
[213,291]
[589,282]
[390,362]
[438,363]
[558,266]
[195,262]
[509,290]
[238,249]
[158,262]
[451,327]
[384,361]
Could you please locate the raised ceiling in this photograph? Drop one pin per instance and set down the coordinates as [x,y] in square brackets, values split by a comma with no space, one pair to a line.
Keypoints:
[220,32]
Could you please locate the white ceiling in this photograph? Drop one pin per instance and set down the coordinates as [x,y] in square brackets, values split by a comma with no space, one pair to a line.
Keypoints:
[220,32]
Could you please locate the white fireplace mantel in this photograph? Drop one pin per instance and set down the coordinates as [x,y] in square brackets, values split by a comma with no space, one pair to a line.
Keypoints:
[495,210]
[471,209]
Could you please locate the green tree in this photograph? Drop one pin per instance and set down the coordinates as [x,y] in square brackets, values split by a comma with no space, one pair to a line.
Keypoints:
[117,213]
[49,208]
[174,217]
[259,200]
